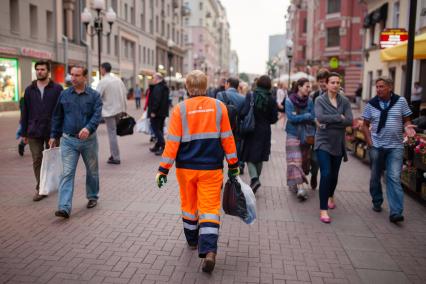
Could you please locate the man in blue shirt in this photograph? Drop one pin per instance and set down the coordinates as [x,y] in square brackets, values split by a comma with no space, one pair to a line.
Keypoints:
[389,116]
[76,118]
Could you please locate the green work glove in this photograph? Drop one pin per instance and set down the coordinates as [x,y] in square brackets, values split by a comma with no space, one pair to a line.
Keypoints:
[161,179]
[233,172]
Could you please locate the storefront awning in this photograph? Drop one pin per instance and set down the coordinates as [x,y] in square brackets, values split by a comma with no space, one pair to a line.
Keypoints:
[399,52]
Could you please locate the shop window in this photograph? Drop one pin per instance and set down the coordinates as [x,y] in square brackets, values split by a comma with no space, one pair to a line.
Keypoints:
[8,80]
[333,6]
[333,37]
[14,15]
[116,46]
[33,21]
[49,25]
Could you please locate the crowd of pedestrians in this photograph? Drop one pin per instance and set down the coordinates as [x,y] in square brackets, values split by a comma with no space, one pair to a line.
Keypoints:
[208,126]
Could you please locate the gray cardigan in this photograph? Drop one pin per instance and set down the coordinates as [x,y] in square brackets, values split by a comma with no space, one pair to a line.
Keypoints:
[330,137]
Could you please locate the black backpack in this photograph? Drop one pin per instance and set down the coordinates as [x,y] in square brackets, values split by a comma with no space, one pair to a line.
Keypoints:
[232,112]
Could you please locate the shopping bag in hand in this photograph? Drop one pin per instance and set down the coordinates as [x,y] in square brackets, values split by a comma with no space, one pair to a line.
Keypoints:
[125,125]
[250,201]
[143,125]
[51,171]
[234,202]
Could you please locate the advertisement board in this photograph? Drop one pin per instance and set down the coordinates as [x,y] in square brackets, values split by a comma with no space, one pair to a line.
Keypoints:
[8,79]
[392,37]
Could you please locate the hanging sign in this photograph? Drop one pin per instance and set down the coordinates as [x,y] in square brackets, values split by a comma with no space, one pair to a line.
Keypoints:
[392,37]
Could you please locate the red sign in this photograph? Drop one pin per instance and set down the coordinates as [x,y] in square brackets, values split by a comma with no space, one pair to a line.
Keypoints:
[34,53]
[392,37]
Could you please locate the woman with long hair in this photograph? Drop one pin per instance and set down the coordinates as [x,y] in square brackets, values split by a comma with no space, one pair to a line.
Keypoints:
[257,144]
[300,130]
[333,113]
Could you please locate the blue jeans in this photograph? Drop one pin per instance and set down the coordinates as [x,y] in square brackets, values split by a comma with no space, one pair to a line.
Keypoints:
[391,160]
[71,148]
[329,169]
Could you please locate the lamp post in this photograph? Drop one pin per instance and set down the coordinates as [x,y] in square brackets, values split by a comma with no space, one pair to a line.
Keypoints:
[170,45]
[289,52]
[86,19]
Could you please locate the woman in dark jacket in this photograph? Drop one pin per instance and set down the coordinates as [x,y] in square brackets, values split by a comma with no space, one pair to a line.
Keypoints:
[257,145]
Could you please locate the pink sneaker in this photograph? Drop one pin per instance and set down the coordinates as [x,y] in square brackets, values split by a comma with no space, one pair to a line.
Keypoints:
[325,219]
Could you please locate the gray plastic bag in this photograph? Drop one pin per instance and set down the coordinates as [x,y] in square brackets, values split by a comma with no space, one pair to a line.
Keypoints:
[51,171]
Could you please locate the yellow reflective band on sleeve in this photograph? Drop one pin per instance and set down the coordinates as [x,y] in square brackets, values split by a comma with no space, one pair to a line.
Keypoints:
[230,156]
[167,160]
[173,138]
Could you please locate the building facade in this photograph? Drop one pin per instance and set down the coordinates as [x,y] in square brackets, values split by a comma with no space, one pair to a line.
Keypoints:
[234,64]
[136,46]
[390,14]
[328,33]
[207,39]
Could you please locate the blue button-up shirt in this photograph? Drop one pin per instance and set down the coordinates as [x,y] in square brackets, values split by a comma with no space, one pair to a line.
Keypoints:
[74,111]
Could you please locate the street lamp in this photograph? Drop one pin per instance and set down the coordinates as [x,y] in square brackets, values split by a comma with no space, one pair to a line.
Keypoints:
[289,52]
[170,45]
[86,19]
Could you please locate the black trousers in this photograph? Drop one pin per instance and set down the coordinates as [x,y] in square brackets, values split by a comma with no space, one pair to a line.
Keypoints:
[157,124]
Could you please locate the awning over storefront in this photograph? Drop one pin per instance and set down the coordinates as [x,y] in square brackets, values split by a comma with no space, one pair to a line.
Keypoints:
[399,52]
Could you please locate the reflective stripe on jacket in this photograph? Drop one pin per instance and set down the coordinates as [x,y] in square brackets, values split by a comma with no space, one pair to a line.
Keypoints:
[199,136]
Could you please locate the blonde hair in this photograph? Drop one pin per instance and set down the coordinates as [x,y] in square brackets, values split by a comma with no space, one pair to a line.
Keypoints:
[243,88]
[196,83]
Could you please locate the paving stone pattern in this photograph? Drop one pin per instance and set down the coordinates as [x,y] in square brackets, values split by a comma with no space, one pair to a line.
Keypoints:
[135,235]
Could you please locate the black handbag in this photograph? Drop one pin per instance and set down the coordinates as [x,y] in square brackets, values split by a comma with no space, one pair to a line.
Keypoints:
[234,201]
[248,123]
[125,125]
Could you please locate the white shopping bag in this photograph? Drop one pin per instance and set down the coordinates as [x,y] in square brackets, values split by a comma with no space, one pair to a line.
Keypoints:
[51,171]
[250,201]
[143,125]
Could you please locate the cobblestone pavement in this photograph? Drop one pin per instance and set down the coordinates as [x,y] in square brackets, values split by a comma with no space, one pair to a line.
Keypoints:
[135,235]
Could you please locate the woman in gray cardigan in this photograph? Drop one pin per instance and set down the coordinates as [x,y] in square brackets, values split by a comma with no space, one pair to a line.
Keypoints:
[334,114]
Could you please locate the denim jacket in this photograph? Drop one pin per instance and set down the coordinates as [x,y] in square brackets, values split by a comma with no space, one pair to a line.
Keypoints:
[74,112]
[301,122]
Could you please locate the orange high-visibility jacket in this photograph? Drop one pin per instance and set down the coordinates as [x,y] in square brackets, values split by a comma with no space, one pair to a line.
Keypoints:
[199,136]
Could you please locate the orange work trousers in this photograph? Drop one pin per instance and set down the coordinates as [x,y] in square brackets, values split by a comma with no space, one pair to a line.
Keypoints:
[200,204]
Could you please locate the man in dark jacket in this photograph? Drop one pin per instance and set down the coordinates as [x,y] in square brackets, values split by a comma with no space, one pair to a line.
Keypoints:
[40,99]
[158,110]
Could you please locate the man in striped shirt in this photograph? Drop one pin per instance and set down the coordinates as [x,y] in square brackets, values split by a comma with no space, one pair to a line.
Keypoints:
[389,116]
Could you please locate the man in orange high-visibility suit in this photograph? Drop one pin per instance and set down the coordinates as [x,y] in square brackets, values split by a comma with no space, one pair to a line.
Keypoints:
[199,137]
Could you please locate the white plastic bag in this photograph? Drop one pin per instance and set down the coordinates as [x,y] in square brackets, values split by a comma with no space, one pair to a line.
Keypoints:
[250,201]
[51,171]
[143,125]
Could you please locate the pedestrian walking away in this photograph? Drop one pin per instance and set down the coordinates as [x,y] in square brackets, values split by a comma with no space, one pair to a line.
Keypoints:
[76,117]
[257,145]
[300,130]
[113,94]
[199,136]
[234,103]
[138,96]
[389,116]
[158,110]
[40,99]
[333,113]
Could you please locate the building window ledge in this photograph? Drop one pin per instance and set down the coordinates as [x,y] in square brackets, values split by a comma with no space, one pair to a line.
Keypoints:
[332,48]
[332,16]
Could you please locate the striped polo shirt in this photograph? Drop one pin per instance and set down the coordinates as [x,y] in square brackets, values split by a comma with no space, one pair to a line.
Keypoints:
[391,135]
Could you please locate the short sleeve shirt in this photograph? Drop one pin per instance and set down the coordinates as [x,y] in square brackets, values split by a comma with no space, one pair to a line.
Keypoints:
[390,136]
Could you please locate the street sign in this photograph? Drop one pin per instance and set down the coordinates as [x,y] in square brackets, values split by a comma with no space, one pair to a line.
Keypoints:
[392,37]
[334,63]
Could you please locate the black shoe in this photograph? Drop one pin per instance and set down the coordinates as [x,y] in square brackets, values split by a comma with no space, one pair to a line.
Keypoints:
[154,149]
[110,158]
[396,218]
[38,197]
[21,149]
[377,208]
[92,203]
[209,262]
[62,213]
[114,162]
[159,152]
[255,184]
